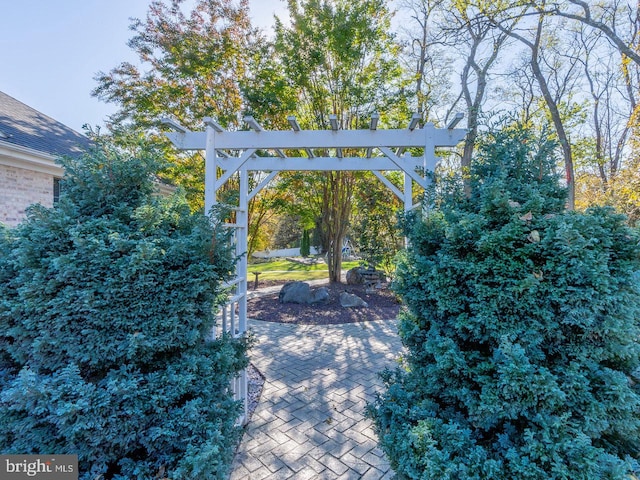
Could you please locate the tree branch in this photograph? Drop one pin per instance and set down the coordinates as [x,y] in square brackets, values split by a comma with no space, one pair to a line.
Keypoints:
[587,19]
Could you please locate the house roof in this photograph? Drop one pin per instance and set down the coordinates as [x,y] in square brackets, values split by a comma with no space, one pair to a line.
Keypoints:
[26,127]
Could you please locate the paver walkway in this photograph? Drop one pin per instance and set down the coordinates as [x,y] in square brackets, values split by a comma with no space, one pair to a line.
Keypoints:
[309,423]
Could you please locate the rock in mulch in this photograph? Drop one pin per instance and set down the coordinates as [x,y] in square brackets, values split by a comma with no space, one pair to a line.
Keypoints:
[301,292]
[354,276]
[351,300]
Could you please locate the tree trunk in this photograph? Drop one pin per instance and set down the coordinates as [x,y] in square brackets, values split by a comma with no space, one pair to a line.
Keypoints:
[478,33]
[337,192]
[555,116]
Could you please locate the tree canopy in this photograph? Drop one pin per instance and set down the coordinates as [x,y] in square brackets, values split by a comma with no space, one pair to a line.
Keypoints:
[565,65]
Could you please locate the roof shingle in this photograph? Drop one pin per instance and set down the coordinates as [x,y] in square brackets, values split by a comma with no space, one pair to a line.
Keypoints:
[26,127]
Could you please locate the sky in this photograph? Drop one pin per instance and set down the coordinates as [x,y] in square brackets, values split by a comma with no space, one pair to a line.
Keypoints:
[51,50]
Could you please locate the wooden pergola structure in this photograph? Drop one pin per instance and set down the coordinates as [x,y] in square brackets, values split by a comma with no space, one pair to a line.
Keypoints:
[235,152]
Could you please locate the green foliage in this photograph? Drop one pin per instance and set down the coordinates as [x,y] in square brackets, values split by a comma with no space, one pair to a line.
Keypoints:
[190,65]
[622,191]
[375,227]
[522,328]
[287,232]
[106,314]
[340,58]
[268,94]
[305,243]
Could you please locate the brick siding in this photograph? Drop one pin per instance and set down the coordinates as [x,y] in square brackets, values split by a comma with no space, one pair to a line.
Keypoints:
[20,188]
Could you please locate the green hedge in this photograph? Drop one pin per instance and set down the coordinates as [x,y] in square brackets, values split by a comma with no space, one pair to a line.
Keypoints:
[522,329]
[106,309]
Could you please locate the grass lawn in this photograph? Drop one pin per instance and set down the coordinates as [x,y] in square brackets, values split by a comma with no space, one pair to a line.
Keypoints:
[282,269]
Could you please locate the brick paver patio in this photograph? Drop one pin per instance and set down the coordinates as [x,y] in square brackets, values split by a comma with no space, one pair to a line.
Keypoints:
[309,423]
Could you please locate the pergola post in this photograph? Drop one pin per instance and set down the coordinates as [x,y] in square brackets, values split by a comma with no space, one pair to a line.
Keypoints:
[408,199]
[429,158]
[242,221]
[210,167]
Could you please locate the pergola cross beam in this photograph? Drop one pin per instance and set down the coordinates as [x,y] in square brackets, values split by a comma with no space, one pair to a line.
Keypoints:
[219,145]
[302,139]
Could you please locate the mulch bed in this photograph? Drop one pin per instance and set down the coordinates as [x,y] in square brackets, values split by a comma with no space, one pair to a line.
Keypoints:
[383,305]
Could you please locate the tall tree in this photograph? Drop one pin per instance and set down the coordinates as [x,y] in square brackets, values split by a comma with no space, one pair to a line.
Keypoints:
[612,110]
[338,56]
[549,86]
[425,56]
[471,27]
[607,172]
[534,37]
[190,66]
[374,229]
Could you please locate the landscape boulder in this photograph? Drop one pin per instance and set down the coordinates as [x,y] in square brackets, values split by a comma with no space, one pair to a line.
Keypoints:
[349,300]
[365,276]
[301,292]
[354,276]
[320,295]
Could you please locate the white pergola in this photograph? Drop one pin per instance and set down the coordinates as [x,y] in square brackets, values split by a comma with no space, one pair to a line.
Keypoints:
[231,152]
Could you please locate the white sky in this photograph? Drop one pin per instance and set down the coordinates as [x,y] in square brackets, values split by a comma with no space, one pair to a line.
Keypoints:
[50,50]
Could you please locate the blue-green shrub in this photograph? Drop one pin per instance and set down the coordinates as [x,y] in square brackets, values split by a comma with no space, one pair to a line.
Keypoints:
[106,311]
[521,329]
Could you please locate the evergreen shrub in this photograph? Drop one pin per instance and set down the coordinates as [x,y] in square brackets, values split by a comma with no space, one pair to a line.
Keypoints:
[305,244]
[521,331]
[106,311]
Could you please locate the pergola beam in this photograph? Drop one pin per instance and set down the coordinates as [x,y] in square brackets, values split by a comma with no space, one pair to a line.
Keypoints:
[323,163]
[294,123]
[174,124]
[396,191]
[333,120]
[271,140]
[373,125]
[296,128]
[253,123]
[399,164]
[455,120]
[262,184]
[413,123]
[213,124]
[235,164]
